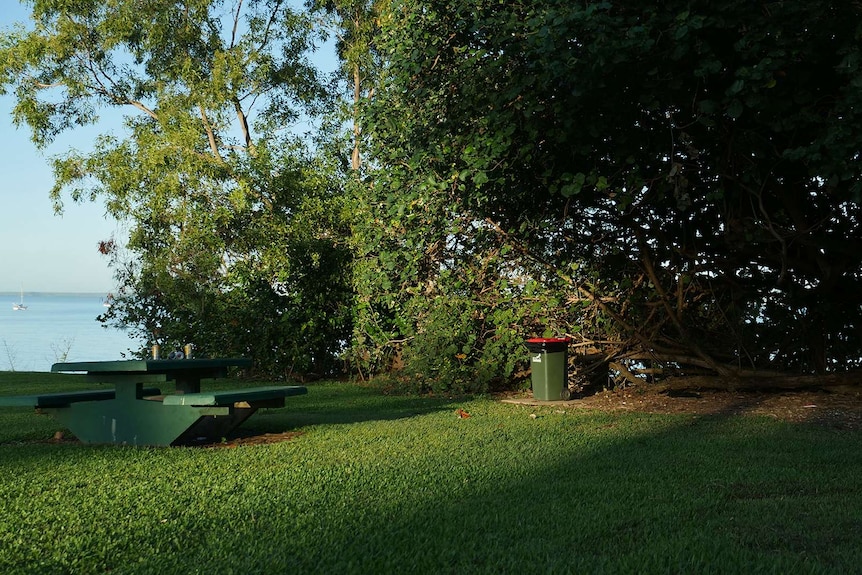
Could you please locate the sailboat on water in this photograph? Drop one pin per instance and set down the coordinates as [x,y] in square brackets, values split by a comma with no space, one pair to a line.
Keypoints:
[20,305]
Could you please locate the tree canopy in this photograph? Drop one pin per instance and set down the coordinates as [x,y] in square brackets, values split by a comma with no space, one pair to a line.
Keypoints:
[674,184]
[679,180]
[231,242]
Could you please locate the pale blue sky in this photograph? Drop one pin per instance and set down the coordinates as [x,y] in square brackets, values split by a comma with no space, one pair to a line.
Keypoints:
[39,250]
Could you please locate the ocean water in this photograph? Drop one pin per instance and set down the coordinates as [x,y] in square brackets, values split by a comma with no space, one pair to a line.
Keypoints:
[57,327]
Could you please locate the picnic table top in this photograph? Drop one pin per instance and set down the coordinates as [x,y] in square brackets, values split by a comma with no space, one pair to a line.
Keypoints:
[150,365]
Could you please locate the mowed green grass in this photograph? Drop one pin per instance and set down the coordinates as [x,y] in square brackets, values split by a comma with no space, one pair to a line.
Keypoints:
[390,484]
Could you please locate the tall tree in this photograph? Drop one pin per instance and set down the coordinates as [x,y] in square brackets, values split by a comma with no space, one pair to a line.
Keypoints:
[686,173]
[204,168]
[356,24]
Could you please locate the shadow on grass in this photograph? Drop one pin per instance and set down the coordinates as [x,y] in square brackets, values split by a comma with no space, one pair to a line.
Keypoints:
[498,492]
[643,494]
[340,405]
[325,404]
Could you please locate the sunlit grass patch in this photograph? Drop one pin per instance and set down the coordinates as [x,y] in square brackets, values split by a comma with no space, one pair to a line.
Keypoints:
[378,483]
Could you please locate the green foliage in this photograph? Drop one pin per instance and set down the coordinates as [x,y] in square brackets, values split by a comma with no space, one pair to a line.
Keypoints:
[355,25]
[233,231]
[677,181]
[283,301]
[687,171]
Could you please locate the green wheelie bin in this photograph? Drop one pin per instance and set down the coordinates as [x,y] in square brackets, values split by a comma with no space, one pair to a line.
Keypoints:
[549,362]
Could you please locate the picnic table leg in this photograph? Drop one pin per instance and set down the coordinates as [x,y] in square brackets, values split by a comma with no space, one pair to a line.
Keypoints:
[130,420]
[188,384]
[215,428]
[129,393]
[190,381]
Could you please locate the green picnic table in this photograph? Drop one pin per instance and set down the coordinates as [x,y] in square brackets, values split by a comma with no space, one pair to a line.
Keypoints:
[132,414]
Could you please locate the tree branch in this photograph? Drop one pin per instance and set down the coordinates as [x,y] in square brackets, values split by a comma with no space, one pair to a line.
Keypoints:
[243,122]
[210,134]
[674,317]
[235,24]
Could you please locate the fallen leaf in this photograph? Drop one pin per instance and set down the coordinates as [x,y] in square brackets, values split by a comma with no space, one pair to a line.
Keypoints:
[462,414]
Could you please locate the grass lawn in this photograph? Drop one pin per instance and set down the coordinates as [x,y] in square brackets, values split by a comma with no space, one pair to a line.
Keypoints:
[387,484]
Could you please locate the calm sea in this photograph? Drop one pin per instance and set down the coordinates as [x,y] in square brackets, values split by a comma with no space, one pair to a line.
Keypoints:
[57,327]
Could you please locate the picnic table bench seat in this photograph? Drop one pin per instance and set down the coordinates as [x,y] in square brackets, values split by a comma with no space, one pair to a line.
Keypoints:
[65,398]
[234,396]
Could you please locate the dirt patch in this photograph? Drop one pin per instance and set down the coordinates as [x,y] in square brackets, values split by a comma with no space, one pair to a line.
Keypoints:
[239,438]
[837,409]
[252,439]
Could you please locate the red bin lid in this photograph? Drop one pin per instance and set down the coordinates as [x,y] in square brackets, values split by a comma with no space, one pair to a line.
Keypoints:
[549,340]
